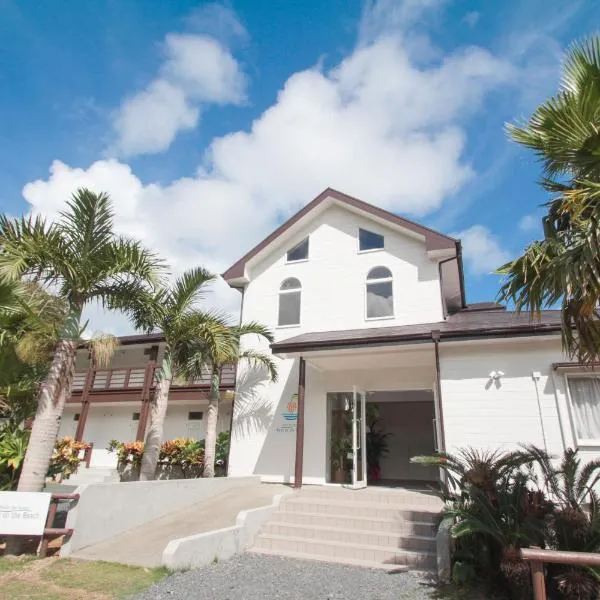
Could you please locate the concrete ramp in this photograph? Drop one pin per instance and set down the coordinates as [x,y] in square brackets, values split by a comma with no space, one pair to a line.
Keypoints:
[144,545]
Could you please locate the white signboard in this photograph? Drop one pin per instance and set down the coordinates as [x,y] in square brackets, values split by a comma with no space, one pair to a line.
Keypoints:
[23,513]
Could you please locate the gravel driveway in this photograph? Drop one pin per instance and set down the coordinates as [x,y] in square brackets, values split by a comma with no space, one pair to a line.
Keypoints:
[257,577]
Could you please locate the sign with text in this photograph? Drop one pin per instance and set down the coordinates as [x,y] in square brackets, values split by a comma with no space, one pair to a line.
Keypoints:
[23,513]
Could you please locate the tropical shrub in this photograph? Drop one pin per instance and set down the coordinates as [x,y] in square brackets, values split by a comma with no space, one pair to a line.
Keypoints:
[13,445]
[498,503]
[128,453]
[222,453]
[66,458]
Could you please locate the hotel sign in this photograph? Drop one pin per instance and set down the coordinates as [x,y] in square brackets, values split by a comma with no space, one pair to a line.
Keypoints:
[290,415]
[23,513]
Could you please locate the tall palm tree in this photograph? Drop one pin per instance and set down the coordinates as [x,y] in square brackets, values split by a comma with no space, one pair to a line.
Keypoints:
[564,267]
[81,260]
[171,310]
[218,344]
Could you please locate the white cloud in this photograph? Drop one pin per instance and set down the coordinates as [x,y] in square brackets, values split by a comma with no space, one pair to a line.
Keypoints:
[379,125]
[197,70]
[529,223]
[482,251]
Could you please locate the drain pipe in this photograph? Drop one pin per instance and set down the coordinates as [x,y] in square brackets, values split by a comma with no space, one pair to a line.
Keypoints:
[435,336]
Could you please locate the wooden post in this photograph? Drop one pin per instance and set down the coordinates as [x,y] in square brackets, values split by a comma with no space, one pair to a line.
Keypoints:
[49,523]
[300,425]
[85,403]
[537,579]
[145,410]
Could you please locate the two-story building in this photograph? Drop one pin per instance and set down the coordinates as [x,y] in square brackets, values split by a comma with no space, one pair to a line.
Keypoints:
[113,403]
[369,310]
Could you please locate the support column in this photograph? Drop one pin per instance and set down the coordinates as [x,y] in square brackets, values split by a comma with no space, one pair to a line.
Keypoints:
[85,403]
[300,425]
[145,409]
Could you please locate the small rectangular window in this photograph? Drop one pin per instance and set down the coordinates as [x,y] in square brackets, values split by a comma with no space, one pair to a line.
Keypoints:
[135,416]
[195,416]
[367,240]
[76,417]
[299,252]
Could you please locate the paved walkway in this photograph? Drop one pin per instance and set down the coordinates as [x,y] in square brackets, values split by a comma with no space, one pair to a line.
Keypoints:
[144,545]
[254,577]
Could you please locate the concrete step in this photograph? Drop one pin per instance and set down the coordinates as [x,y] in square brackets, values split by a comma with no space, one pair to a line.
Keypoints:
[388,568]
[373,496]
[281,544]
[366,537]
[405,527]
[329,506]
[93,475]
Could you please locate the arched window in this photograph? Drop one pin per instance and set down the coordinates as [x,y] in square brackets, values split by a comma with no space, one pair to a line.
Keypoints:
[289,302]
[380,297]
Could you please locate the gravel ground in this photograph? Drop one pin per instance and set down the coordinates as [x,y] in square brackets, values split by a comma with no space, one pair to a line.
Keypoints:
[257,577]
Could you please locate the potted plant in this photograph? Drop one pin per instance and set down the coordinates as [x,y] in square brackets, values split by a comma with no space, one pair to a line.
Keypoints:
[377,443]
[341,446]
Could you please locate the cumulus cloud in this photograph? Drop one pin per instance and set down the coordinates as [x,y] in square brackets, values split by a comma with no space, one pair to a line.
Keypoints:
[379,125]
[482,251]
[197,70]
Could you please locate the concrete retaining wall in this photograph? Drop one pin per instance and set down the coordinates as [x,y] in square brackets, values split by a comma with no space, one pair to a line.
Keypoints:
[204,548]
[108,509]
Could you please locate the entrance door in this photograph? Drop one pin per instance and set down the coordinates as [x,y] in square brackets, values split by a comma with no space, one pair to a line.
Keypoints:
[359,439]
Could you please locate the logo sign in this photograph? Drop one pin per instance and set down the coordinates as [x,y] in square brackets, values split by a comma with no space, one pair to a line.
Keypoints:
[292,409]
[23,513]
[289,414]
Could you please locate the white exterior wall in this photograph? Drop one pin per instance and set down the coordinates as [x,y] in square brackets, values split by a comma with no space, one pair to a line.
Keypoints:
[333,298]
[333,278]
[482,414]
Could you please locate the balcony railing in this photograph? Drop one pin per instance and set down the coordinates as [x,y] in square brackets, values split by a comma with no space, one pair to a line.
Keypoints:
[132,378]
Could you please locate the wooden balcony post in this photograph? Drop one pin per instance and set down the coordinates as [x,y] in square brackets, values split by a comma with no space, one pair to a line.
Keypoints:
[145,409]
[537,579]
[85,403]
[300,425]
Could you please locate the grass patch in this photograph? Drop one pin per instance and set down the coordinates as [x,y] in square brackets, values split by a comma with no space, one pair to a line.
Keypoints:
[57,579]
[11,565]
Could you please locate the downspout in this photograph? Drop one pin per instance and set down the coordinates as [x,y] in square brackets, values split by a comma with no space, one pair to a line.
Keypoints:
[242,290]
[435,336]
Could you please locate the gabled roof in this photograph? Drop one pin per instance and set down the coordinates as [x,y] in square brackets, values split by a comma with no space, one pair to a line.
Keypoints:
[434,240]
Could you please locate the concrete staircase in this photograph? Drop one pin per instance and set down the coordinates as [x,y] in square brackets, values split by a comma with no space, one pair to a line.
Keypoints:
[92,475]
[383,528]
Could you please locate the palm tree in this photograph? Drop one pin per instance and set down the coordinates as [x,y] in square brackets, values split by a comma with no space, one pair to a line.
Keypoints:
[81,260]
[218,344]
[172,310]
[564,267]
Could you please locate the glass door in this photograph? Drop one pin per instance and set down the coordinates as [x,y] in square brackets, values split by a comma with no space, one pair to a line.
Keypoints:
[359,439]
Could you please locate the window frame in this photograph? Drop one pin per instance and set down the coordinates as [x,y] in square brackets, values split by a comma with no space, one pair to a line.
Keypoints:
[367,251]
[368,281]
[299,260]
[579,442]
[281,291]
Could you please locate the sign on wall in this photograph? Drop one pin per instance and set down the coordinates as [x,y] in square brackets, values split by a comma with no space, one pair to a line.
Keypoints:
[290,415]
[23,513]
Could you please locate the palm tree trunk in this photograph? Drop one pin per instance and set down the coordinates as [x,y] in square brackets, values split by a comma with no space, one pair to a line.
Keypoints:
[54,391]
[154,434]
[210,444]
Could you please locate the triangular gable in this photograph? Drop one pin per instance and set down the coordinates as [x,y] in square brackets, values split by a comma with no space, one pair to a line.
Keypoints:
[434,241]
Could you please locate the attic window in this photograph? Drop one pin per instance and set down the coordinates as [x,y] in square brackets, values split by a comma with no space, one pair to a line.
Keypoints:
[298,252]
[367,240]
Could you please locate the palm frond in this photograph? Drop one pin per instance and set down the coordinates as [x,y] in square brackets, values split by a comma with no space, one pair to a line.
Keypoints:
[189,289]
[261,360]
[102,348]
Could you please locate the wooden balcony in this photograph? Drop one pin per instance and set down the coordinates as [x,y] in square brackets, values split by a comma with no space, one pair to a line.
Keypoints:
[126,384]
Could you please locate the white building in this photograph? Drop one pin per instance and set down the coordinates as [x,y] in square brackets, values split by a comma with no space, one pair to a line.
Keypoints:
[369,308]
[113,403]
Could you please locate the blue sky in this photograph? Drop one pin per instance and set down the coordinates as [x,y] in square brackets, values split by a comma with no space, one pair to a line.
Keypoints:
[211,123]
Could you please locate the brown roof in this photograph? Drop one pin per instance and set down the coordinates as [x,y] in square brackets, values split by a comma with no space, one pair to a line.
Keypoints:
[433,239]
[138,338]
[465,324]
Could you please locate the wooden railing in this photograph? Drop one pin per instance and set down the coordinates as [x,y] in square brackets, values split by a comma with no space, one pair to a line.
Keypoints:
[132,378]
[537,557]
[51,532]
